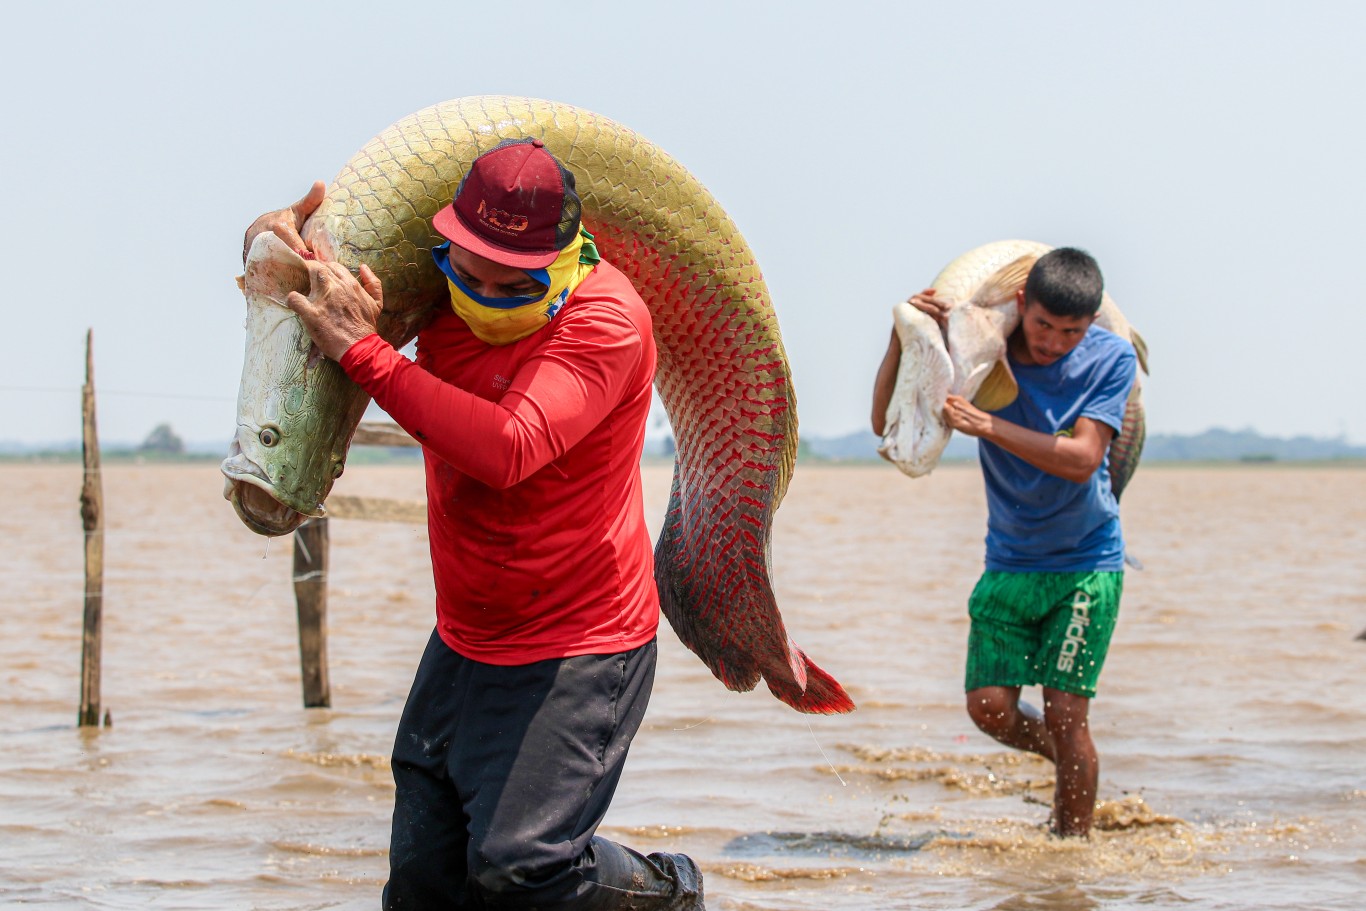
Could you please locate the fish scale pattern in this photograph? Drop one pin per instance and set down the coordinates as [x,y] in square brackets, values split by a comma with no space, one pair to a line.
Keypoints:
[722,375]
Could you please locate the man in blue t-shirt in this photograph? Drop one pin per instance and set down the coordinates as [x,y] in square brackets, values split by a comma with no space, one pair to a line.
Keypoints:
[1046,605]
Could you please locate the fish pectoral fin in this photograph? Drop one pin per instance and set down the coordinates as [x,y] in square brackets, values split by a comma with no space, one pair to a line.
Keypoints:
[1001,287]
[999,389]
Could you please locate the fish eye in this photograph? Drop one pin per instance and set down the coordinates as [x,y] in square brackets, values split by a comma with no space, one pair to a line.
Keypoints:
[269,436]
[337,470]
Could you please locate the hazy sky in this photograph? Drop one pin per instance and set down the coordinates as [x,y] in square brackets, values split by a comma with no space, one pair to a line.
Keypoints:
[1211,156]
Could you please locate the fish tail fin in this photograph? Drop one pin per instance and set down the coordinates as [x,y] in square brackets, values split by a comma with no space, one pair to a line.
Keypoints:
[1127,448]
[809,689]
[1140,348]
[1000,288]
[729,618]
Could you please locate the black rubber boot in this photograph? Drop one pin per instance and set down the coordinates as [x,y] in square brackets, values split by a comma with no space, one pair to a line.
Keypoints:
[629,881]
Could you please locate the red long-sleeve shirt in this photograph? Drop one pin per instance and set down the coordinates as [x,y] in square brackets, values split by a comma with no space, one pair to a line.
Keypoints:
[538,538]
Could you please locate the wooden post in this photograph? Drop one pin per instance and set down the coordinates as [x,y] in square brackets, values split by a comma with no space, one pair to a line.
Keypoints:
[310,594]
[92,520]
[310,563]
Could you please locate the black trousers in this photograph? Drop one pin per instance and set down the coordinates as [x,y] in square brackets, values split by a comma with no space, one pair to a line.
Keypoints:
[503,775]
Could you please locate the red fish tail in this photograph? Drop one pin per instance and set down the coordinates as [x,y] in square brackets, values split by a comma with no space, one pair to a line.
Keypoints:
[822,694]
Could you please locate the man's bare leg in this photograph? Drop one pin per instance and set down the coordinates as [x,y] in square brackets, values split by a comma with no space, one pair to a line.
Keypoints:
[1077,766]
[998,712]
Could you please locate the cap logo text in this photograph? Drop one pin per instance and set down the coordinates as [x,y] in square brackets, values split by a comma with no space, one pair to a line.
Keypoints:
[497,218]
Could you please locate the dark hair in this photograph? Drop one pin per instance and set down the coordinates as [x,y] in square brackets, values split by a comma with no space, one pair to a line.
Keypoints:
[1067,282]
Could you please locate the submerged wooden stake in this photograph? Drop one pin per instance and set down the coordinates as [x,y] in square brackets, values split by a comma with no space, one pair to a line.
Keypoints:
[310,594]
[310,563]
[92,520]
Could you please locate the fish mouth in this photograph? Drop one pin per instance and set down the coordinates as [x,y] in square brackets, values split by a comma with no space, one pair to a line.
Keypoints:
[255,499]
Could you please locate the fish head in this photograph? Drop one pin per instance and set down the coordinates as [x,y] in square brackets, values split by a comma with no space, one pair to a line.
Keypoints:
[296,410]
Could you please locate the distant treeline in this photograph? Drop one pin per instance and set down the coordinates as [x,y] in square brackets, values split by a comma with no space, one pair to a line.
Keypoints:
[1210,446]
[1215,445]
[122,454]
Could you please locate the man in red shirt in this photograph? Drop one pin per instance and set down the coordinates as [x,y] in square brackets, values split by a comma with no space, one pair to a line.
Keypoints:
[529,396]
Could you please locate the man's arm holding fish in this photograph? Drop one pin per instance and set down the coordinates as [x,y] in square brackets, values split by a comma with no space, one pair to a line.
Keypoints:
[926,301]
[339,310]
[885,383]
[555,398]
[568,389]
[572,385]
[1072,458]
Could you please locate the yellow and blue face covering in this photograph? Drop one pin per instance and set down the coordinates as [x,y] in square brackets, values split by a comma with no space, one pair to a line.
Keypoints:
[504,320]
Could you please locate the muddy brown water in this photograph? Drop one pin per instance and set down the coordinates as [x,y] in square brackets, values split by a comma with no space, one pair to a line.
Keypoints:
[1231,719]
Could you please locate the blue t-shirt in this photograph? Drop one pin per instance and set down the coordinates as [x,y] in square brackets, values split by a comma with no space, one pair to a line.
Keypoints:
[1038,522]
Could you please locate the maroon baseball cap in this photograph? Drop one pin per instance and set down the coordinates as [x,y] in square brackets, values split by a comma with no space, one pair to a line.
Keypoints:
[516,206]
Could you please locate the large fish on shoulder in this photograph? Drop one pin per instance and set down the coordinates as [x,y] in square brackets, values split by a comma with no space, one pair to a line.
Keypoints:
[722,376]
[968,358]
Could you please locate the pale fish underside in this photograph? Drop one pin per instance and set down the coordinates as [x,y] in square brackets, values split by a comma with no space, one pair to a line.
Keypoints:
[982,284]
[914,439]
[723,375]
[284,403]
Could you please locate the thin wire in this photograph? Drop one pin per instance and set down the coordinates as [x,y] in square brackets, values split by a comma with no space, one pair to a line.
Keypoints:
[38,389]
[169,395]
[825,757]
[133,392]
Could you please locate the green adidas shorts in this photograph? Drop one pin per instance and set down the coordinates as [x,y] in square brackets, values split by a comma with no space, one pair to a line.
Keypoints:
[1046,628]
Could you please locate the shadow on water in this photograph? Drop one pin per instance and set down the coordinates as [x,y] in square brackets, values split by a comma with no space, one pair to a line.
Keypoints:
[827,845]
